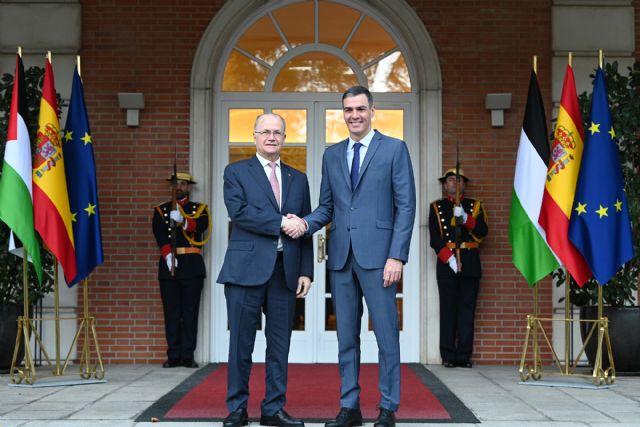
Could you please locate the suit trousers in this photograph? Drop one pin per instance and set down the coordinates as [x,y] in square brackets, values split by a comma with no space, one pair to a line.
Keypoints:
[348,286]
[244,307]
[181,303]
[458,297]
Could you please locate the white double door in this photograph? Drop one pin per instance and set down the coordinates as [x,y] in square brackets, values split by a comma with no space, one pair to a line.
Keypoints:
[311,127]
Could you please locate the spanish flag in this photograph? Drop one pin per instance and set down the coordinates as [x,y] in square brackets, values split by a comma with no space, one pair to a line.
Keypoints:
[52,215]
[560,186]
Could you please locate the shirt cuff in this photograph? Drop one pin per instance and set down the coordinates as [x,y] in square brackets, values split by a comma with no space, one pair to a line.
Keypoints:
[444,254]
[165,250]
[189,224]
[471,223]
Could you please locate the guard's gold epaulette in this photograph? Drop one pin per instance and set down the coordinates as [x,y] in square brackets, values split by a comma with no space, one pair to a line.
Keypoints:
[158,208]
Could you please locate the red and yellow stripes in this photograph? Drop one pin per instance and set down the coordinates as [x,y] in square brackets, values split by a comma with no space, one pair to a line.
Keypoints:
[52,215]
[562,176]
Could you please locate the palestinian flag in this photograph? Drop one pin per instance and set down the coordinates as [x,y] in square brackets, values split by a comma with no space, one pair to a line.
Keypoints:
[530,253]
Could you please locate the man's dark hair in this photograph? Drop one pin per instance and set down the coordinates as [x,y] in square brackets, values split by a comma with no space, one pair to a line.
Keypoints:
[358,90]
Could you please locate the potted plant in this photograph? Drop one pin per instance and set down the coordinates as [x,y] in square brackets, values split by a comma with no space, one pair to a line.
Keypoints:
[619,302]
[11,277]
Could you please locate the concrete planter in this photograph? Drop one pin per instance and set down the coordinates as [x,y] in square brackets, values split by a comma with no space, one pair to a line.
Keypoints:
[624,332]
[8,330]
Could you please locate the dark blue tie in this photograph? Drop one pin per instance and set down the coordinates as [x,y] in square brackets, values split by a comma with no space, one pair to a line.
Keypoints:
[355,165]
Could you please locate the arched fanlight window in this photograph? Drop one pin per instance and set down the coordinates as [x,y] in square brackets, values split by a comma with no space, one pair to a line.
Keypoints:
[315,46]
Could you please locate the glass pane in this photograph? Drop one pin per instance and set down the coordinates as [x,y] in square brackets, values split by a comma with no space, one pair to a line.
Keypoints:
[335,23]
[263,41]
[296,121]
[295,157]
[315,72]
[389,75]
[329,315]
[298,320]
[335,128]
[297,23]
[241,121]
[243,75]
[389,122]
[241,153]
[369,42]
[399,306]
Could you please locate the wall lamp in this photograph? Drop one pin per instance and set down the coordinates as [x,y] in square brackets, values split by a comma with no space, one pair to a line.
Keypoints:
[133,102]
[497,103]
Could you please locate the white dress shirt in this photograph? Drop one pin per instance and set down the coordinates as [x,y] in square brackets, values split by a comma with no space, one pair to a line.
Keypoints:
[363,150]
[267,170]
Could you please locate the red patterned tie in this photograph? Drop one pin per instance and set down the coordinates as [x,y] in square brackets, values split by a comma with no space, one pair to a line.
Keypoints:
[273,180]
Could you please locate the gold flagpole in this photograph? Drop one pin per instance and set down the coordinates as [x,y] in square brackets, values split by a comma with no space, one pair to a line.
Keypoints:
[28,365]
[568,311]
[56,316]
[24,333]
[85,363]
[536,349]
[56,295]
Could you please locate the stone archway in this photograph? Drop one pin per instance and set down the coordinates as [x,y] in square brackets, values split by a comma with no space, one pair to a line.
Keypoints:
[423,63]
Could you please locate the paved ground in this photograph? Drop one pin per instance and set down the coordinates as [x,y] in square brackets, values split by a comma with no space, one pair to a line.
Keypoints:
[492,393]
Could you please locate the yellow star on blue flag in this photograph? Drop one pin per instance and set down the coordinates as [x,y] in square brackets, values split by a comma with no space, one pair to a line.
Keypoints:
[602,236]
[82,184]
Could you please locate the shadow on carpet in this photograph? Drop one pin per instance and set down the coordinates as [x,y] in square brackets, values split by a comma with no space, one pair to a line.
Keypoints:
[313,395]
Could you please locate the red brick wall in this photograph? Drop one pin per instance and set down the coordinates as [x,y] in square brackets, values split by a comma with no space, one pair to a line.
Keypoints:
[148,46]
[489,49]
[143,46]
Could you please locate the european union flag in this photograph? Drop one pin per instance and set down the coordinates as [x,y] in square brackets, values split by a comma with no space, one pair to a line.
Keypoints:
[599,226]
[81,184]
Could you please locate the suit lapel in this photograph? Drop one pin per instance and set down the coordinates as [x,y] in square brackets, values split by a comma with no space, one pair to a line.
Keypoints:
[287,178]
[371,151]
[256,169]
[344,163]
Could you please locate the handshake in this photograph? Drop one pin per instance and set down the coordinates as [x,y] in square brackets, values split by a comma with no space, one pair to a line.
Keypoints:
[293,226]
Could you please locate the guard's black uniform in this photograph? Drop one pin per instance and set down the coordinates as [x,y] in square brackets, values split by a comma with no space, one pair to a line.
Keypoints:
[458,292]
[181,293]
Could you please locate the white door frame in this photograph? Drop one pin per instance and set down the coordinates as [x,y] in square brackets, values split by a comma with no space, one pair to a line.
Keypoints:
[314,344]
[424,68]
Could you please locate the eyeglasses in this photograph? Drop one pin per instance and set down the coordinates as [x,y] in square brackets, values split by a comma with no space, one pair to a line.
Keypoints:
[267,132]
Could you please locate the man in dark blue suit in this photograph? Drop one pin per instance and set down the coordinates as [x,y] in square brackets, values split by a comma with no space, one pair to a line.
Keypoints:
[264,270]
[368,195]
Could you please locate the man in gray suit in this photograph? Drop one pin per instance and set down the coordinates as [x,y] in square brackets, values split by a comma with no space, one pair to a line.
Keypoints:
[264,270]
[368,195]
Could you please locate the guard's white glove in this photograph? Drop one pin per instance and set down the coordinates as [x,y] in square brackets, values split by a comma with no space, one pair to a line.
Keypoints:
[176,216]
[169,258]
[453,263]
[460,213]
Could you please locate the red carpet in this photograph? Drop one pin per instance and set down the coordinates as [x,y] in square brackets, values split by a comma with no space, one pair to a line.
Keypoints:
[313,395]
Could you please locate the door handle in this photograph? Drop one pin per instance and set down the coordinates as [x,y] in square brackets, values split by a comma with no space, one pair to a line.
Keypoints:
[322,249]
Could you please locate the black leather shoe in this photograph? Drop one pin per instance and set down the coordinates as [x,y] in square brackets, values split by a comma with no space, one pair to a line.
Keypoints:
[171,363]
[386,418]
[466,364]
[189,363]
[237,418]
[448,364]
[347,417]
[281,419]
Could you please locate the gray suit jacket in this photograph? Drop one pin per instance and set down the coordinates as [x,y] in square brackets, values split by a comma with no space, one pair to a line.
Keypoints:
[376,219]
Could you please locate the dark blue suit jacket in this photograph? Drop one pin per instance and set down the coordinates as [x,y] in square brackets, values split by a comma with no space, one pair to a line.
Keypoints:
[256,219]
[375,220]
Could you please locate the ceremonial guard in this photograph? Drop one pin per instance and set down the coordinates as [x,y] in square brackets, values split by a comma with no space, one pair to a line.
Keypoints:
[181,227]
[457,225]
